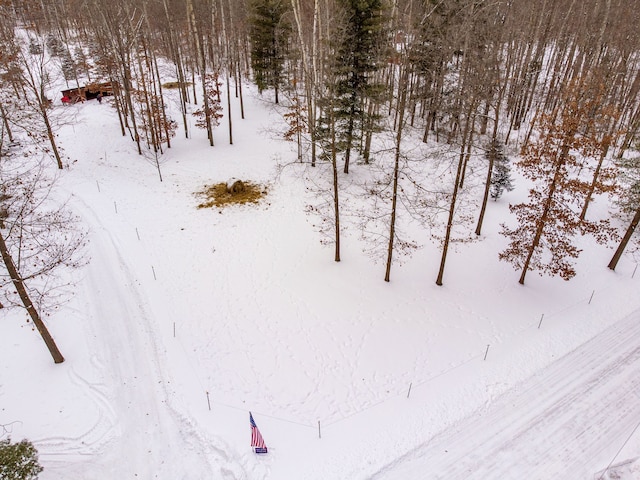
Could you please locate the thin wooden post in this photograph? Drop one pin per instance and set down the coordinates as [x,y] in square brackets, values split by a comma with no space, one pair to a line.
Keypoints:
[486,352]
[540,321]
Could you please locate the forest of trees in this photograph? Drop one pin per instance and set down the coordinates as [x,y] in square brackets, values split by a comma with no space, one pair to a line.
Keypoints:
[552,82]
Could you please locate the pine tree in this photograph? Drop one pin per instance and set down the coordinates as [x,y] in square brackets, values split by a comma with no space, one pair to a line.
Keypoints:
[18,461]
[357,62]
[501,177]
[270,31]
[68,66]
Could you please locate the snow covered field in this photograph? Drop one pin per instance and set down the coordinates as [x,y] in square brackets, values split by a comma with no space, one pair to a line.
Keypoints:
[186,319]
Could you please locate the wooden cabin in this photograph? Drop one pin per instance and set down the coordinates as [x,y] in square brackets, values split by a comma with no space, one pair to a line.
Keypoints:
[88,92]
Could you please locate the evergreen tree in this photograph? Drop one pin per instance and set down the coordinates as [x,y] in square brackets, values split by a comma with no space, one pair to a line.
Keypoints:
[357,60]
[270,31]
[68,66]
[18,461]
[501,176]
[55,46]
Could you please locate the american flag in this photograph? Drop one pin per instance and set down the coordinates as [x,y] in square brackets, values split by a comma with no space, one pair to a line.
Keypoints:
[256,438]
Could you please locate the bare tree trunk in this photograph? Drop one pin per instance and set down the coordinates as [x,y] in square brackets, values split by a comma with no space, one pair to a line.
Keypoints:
[623,244]
[545,212]
[162,114]
[308,53]
[36,83]
[51,136]
[203,67]
[6,122]
[396,169]
[175,53]
[127,96]
[371,111]
[239,84]
[469,147]
[487,184]
[592,187]
[336,202]
[350,129]
[454,197]
[227,52]
[26,301]
[117,102]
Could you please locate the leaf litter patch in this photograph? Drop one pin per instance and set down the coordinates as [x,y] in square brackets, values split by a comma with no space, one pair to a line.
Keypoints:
[233,192]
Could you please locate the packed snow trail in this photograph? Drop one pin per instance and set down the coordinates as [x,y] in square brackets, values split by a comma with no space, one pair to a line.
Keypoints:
[140,433]
[568,421]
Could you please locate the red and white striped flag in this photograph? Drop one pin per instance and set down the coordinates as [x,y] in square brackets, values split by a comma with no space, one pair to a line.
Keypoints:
[256,438]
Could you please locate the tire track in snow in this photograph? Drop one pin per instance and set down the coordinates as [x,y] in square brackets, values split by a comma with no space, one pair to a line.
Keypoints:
[147,436]
[92,440]
[566,422]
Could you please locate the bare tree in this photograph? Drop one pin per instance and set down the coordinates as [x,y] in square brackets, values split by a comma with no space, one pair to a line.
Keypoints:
[629,203]
[32,69]
[547,223]
[36,242]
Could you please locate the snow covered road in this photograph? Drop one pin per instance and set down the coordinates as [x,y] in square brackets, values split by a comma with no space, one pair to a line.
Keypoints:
[568,421]
[142,431]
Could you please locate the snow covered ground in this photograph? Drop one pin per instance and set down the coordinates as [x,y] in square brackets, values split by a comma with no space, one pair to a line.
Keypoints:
[186,319]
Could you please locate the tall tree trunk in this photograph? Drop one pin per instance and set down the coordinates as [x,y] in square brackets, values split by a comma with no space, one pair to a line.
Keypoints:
[334,167]
[177,59]
[128,90]
[372,110]
[350,128]
[454,197]
[469,147]
[199,44]
[227,51]
[594,181]
[239,80]
[487,185]
[37,87]
[16,278]
[51,136]
[545,212]
[623,243]
[5,122]
[117,96]
[149,131]
[396,169]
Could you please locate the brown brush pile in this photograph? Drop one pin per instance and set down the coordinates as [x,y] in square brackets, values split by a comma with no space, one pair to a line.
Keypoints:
[236,192]
[170,85]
